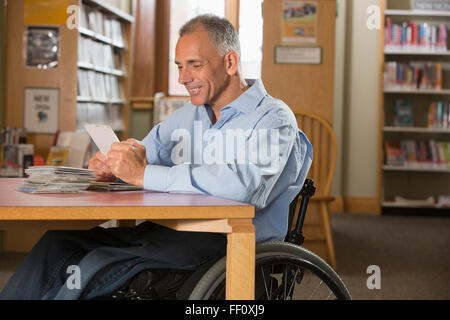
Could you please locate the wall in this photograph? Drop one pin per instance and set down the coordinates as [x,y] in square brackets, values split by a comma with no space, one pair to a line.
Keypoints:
[2,69]
[361,104]
[339,71]
[356,104]
[2,58]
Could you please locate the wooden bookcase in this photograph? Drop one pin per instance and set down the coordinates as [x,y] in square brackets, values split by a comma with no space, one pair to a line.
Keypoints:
[65,78]
[401,185]
[65,75]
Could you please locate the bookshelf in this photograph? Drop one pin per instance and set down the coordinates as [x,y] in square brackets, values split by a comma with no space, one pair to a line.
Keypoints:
[65,78]
[414,112]
[92,76]
[104,43]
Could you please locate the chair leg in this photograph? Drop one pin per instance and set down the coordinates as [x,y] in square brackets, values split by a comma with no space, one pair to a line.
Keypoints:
[324,209]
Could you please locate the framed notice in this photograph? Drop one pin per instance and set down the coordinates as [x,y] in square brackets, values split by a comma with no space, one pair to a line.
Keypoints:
[41,110]
[298,55]
[299,21]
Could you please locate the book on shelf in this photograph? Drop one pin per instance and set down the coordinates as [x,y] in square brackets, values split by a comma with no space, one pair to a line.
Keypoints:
[418,154]
[404,113]
[102,24]
[78,144]
[439,115]
[443,201]
[413,75]
[412,36]
[394,153]
[97,55]
[57,156]
[99,86]
[414,202]
[100,113]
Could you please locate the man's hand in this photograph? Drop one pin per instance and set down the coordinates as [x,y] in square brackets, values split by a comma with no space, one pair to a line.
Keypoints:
[98,163]
[127,161]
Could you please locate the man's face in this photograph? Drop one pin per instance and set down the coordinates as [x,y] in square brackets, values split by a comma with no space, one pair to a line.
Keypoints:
[201,68]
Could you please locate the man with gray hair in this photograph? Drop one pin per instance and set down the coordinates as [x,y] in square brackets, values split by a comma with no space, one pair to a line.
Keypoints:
[222,103]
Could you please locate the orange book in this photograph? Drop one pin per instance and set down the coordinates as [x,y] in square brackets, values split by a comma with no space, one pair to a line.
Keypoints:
[438,76]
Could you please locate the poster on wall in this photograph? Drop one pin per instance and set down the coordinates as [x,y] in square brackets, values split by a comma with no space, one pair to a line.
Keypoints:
[42,47]
[299,22]
[41,110]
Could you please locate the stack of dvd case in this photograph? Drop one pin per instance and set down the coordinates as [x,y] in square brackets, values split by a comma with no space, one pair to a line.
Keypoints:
[56,179]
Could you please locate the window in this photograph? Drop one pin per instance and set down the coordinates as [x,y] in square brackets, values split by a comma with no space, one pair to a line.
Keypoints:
[251,37]
[180,12]
[250,34]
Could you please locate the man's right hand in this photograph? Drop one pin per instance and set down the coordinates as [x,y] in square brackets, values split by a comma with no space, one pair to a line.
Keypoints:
[98,163]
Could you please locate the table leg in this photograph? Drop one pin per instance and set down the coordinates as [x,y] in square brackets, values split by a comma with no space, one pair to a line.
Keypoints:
[240,276]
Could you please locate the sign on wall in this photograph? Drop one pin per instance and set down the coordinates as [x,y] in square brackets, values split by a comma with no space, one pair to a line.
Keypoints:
[299,21]
[41,110]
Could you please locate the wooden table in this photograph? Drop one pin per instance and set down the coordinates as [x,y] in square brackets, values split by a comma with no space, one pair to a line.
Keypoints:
[184,212]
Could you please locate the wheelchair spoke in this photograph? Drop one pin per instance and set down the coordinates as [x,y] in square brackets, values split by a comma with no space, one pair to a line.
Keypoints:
[285,281]
[265,283]
[293,282]
[271,283]
[317,287]
[329,295]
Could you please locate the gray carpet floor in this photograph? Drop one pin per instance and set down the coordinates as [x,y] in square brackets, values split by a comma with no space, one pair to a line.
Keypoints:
[413,254]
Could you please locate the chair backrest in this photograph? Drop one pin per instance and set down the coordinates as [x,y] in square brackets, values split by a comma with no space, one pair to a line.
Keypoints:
[164,106]
[322,137]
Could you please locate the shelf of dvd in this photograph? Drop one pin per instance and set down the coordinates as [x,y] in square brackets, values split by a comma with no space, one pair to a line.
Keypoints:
[103,66]
[414,162]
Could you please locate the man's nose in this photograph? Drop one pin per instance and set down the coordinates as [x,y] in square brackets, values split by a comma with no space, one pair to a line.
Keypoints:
[184,76]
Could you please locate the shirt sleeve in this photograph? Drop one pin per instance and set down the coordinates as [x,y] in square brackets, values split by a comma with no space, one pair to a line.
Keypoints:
[250,182]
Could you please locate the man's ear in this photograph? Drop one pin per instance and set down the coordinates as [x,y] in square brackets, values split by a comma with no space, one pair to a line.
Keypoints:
[232,63]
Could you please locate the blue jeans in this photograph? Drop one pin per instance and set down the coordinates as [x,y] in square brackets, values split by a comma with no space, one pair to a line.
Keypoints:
[106,259]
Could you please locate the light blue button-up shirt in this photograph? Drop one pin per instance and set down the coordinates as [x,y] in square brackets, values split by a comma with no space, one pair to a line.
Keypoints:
[239,172]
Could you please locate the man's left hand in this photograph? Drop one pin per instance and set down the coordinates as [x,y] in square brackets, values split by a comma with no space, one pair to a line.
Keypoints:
[127,161]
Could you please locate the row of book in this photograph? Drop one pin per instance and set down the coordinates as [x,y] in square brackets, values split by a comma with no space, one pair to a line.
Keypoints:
[439,115]
[413,36]
[101,23]
[99,86]
[15,158]
[418,154]
[413,75]
[441,201]
[10,135]
[99,113]
[98,54]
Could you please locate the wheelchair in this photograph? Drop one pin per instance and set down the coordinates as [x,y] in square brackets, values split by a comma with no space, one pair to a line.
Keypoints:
[284,271]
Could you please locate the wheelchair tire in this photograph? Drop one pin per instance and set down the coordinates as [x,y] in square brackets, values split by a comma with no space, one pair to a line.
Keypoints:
[282,263]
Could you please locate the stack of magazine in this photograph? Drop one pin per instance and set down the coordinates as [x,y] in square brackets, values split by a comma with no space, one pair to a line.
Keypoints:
[57,179]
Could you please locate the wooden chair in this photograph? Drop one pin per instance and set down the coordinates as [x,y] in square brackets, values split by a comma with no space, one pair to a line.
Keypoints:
[322,137]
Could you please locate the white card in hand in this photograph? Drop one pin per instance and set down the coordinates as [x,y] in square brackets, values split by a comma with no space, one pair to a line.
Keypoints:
[103,136]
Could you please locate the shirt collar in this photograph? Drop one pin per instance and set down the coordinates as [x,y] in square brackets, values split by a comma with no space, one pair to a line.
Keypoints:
[251,98]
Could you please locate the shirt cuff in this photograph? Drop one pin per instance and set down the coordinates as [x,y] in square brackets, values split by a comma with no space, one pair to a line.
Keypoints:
[155,178]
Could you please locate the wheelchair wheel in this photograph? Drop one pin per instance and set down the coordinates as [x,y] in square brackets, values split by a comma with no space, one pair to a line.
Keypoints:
[284,271]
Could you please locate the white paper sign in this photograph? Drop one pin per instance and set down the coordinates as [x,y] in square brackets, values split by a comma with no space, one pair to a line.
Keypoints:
[298,55]
[103,136]
[41,110]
